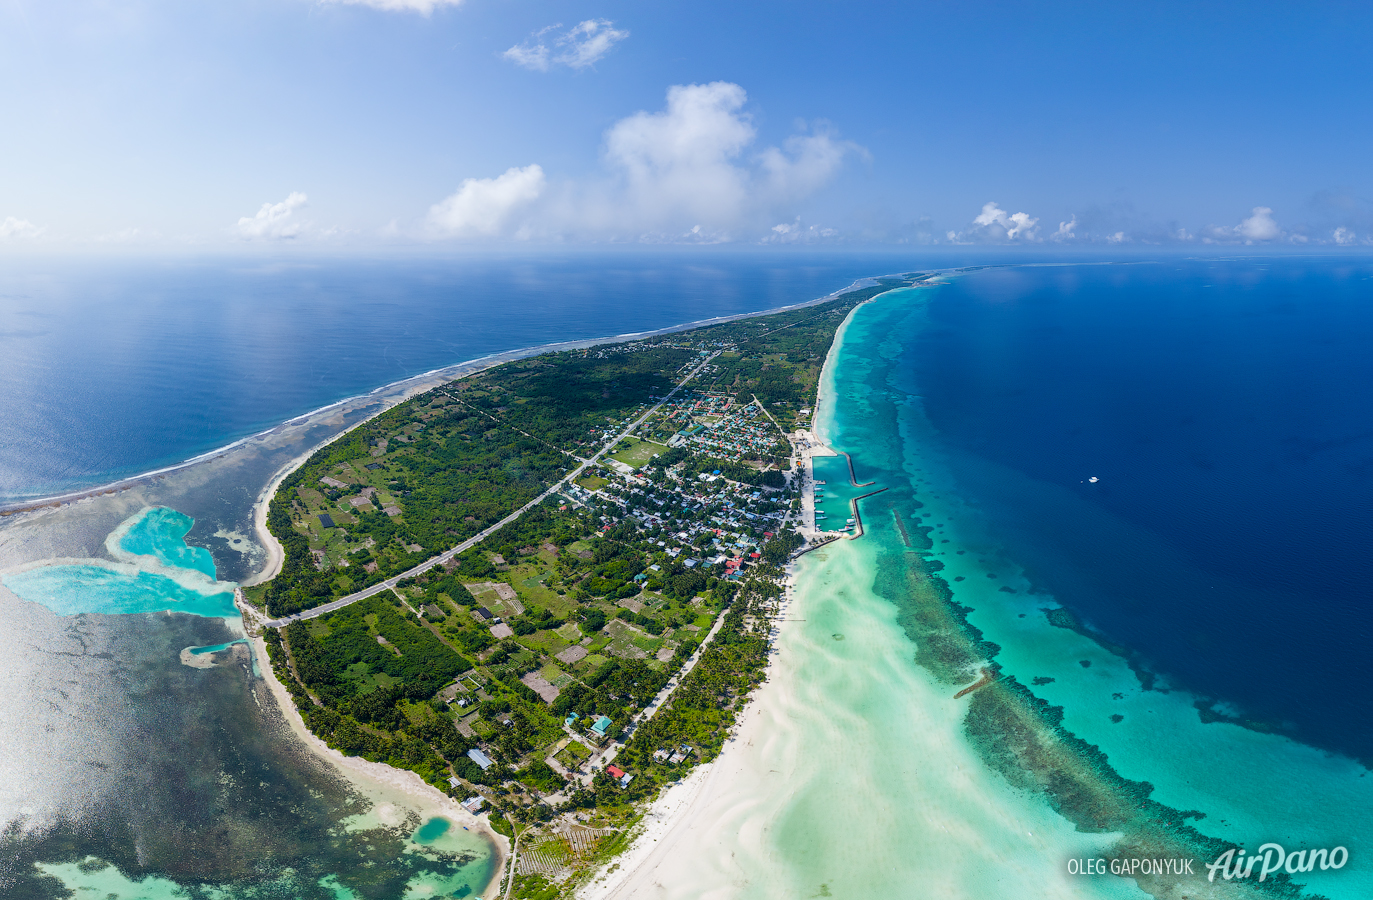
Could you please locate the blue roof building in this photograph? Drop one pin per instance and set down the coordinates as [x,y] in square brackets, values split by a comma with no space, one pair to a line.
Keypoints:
[602,725]
[480,758]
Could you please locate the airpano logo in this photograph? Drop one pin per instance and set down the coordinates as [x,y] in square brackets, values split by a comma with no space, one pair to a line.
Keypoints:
[1271,858]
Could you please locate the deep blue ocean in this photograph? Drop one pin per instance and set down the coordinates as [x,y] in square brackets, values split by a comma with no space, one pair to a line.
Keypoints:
[1225,408]
[113,368]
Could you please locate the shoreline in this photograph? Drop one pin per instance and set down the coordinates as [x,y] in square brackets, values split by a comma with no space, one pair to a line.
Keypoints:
[380,777]
[477,364]
[673,814]
[676,811]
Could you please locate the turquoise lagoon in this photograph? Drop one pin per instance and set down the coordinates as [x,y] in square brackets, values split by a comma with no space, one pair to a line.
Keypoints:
[154,570]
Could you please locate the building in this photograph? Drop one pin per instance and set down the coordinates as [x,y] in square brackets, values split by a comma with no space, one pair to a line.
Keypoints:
[326,520]
[602,725]
[480,758]
[473,804]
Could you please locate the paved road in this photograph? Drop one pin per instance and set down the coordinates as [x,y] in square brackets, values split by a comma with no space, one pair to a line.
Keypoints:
[448,554]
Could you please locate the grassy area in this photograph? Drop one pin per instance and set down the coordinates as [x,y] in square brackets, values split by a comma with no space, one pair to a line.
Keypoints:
[635,452]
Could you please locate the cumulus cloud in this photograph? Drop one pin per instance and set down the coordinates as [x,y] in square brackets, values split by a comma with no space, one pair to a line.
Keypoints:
[687,162]
[806,163]
[578,47]
[274,221]
[1065,230]
[17,229]
[995,225]
[685,173]
[680,162]
[1259,226]
[483,207]
[424,7]
[796,233]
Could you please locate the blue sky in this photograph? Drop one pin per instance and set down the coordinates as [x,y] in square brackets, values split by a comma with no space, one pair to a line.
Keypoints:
[403,123]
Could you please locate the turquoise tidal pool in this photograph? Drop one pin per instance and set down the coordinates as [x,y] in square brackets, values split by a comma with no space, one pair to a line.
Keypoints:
[161,533]
[153,570]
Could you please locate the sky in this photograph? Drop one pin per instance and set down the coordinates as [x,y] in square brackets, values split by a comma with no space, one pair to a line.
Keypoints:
[151,124]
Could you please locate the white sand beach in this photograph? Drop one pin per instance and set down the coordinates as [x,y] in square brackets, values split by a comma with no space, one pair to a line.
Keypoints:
[849,776]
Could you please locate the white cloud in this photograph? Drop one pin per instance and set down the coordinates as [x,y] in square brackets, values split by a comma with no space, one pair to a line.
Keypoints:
[995,224]
[484,206]
[424,7]
[578,47]
[1260,226]
[274,220]
[1343,236]
[684,173]
[796,233]
[17,229]
[810,160]
[679,163]
[534,56]
[1065,230]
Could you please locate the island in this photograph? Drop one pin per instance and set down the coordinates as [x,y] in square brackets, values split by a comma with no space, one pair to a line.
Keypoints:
[548,588]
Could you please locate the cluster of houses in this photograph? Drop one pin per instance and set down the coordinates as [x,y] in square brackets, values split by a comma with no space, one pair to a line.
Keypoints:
[709,522]
[743,434]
